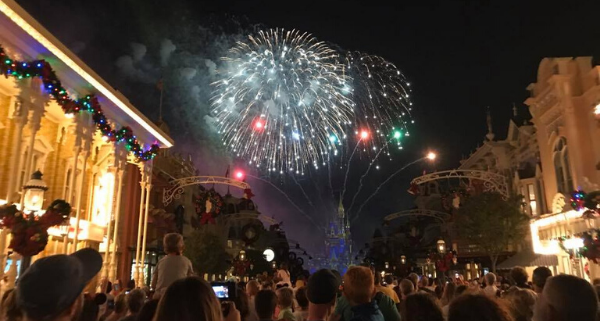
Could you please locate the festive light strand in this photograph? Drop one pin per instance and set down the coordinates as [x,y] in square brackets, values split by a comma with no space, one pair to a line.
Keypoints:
[90,104]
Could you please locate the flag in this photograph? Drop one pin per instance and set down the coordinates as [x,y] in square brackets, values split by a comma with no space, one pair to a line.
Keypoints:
[227,172]
[159,85]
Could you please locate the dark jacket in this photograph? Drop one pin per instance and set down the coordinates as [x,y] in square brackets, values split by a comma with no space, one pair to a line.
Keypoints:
[367,312]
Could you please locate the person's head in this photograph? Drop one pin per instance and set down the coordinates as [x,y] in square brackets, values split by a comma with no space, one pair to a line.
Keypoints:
[567,297]
[420,307]
[321,291]
[471,307]
[521,303]
[135,301]
[252,288]
[130,284]
[539,277]
[148,311]
[406,287]
[301,298]
[414,278]
[173,243]
[91,307]
[120,304]
[285,298]
[490,279]
[424,282]
[241,303]
[265,304]
[359,286]
[189,299]
[8,308]
[268,285]
[389,279]
[519,276]
[62,278]
[439,291]
[449,292]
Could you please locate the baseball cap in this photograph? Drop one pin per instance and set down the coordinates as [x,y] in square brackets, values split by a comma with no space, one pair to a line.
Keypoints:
[322,287]
[52,284]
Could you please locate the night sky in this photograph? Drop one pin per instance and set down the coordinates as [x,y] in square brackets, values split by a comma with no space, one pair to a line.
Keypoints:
[460,56]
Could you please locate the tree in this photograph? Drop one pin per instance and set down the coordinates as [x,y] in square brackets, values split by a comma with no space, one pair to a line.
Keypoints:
[207,252]
[491,222]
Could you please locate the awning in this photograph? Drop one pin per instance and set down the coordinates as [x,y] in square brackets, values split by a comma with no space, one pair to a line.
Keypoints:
[528,258]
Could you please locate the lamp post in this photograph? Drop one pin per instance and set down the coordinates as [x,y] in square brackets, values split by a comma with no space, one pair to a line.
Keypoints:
[403,259]
[33,199]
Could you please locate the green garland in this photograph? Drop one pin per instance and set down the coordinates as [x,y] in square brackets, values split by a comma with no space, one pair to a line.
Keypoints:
[90,104]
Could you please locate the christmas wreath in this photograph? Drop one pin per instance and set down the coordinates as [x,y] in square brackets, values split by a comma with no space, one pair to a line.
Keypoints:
[208,213]
[30,234]
[250,234]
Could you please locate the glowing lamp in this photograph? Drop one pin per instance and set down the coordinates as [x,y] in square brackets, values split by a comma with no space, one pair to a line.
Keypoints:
[387,265]
[242,255]
[441,246]
[403,259]
[364,134]
[34,191]
[431,156]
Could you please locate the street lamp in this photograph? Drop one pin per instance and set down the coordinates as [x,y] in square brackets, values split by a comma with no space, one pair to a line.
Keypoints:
[387,265]
[441,246]
[274,264]
[33,192]
[403,259]
[242,255]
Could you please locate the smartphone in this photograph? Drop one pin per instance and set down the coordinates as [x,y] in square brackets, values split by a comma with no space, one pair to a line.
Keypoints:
[225,291]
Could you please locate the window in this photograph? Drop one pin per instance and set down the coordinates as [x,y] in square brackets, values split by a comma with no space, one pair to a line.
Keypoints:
[532,199]
[562,168]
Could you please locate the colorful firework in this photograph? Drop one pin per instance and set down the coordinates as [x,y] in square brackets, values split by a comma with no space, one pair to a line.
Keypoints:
[381,100]
[283,102]
[286,100]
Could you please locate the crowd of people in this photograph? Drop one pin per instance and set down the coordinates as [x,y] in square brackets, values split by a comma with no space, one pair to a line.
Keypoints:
[53,289]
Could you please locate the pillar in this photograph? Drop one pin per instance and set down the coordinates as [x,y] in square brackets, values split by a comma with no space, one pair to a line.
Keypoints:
[20,119]
[79,197]
[110,211]
[136,274]
[145,237]
[113,255]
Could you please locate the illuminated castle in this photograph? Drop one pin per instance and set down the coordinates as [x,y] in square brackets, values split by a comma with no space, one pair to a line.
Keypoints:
[338,243]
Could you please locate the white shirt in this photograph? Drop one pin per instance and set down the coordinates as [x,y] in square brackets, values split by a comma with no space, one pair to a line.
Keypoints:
[490,290]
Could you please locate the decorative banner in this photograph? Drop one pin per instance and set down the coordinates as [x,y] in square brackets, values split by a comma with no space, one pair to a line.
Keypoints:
[42,69]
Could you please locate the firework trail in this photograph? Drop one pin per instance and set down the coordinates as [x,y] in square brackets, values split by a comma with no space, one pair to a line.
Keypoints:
[289,200]
[384,182]
[360,181]
[348,170]
[303,192]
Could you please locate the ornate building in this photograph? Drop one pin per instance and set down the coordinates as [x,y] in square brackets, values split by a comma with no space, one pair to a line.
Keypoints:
[338,243]
[93,146]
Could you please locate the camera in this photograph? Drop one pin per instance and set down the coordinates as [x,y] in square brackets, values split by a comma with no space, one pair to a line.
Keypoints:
[225,291]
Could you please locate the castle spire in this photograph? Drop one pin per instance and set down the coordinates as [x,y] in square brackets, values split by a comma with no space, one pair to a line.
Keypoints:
[490,135]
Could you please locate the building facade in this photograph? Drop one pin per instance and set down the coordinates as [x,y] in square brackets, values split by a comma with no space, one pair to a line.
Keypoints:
[564,104]
[94,148]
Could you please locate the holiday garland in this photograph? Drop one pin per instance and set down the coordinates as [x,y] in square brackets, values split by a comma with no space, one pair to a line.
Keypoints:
[30,236]
[90,104]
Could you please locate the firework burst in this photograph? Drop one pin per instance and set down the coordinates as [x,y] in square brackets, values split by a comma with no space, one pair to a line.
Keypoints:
[381,100]
[283,101]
